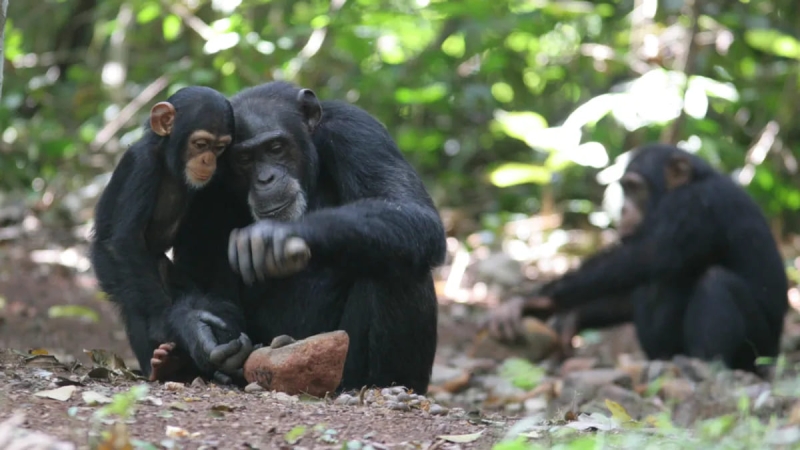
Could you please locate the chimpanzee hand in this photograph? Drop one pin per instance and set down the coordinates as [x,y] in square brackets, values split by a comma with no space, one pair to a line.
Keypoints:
[267,248]
[206,331]
[505,321]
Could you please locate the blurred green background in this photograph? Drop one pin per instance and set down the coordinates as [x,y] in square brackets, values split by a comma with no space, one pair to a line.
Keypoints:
[506,107]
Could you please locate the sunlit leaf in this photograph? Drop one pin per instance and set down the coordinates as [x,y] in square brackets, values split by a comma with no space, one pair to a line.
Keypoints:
[512,174]
[454,45]
[774,42]
[73,311]
[520,125]
[618,412]
[171,27]
[148,13]
[428,94]
[522,373]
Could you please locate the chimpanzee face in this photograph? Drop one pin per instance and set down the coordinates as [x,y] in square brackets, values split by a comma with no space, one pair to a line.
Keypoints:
[274,159]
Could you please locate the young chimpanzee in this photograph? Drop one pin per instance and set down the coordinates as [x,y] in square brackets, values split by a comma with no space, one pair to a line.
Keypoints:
[698,264]
[139,213]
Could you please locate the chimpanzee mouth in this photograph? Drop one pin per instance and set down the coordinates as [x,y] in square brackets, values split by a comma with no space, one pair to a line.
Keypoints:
[274,211]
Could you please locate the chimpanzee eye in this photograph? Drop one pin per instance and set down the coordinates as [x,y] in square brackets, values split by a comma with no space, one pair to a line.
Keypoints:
[220,148]
[201,144]
[275,147]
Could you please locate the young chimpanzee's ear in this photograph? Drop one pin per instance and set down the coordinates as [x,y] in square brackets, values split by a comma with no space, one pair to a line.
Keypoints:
[309,105]
[678,171]
[162,117]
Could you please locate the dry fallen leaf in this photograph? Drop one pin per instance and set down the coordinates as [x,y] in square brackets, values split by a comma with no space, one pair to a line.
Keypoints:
[38,351]
[176,432]
[461,438]
[63,393]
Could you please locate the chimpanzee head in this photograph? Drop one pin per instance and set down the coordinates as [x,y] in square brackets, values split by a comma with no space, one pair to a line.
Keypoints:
[196,125]
[274,161]
[653,172]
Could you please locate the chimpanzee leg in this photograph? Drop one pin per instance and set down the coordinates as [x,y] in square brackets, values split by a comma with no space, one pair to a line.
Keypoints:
[659,309]
[723,321]
[392,328]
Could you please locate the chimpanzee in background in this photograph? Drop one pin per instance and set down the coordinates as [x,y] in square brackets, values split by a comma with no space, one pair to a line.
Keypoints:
[699,264]
[327,175]
[140,210]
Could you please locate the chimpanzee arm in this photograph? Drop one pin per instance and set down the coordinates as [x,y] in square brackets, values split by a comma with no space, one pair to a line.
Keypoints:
[680,234]
[387,220]
[206,318]
[138,285]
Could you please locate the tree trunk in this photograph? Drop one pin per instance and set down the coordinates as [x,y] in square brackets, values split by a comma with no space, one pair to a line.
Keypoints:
[3,9]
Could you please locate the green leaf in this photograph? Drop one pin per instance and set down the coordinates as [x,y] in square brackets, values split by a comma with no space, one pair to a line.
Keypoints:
[171,27]
[428,94]
[512,174]
[294,435]
[74,311]
[522,373]
[148,13]
[774,42]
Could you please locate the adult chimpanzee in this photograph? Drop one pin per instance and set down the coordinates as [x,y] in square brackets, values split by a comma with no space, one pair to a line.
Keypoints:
[143,205]
[699,263]
[327,176]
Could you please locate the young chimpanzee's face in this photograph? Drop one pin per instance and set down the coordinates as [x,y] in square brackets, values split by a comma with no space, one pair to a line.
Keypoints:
[198,123]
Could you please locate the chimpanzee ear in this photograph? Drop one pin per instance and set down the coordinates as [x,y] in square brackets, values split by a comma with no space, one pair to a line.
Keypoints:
[678,171]
[162,117]
[311,108]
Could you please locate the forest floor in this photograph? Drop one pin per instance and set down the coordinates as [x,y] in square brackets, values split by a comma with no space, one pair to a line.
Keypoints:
[53,390]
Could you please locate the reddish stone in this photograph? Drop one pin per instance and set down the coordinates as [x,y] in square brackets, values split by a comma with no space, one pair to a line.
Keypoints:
[313,365]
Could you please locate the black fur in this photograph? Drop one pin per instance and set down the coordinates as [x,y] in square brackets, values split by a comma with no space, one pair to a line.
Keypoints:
[372,229]
[131,235]
[703,271]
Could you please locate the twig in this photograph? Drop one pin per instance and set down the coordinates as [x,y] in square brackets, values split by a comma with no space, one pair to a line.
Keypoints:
[144,97]
[687,66]
[313,45]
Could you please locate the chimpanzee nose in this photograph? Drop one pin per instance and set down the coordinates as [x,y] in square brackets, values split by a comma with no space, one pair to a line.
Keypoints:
[208,159]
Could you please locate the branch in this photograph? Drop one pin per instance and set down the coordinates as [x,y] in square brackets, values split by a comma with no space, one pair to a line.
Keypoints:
[3,10]
[687,66]
[125,115]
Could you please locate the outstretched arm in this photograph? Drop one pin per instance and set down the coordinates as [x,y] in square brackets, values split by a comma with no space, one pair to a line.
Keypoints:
[677,236]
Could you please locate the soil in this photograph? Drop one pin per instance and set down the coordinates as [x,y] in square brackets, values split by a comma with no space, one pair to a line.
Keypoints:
[212,416]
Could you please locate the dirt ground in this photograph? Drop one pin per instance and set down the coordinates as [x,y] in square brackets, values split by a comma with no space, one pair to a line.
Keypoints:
[210,416]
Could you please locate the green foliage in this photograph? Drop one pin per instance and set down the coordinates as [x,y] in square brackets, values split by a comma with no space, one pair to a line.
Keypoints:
[480,95]
[522,373]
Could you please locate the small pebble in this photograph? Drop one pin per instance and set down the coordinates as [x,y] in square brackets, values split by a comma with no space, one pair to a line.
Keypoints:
[414,402]
[342,399]
[394,406]
[403,397]
[386,392]
[437,410]
[173,386]
[390,398]
[397,390]
[353,401]
[199,383]
[253,387]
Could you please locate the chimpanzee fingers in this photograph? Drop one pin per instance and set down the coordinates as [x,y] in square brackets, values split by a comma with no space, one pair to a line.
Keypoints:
[220,354]
[297,253]
[236,361]
[211,319]
[245,261]
[221,378]
[233,257]
[258,248]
